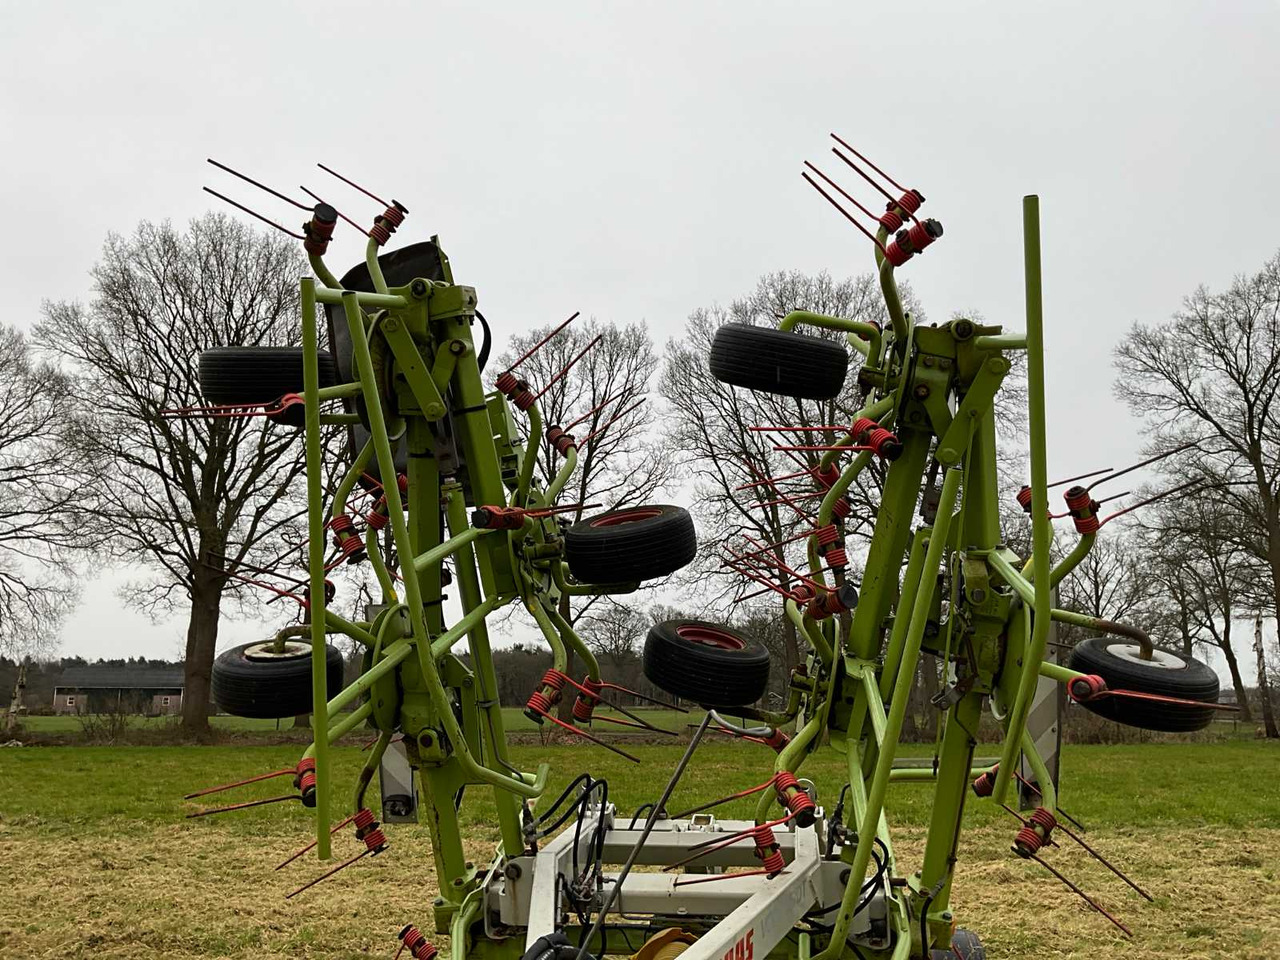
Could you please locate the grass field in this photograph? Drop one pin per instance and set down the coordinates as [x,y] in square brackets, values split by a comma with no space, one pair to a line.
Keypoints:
[513,718]
[99,861]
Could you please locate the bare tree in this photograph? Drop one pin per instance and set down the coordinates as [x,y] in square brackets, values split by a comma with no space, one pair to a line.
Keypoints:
[36,492]
[709,422]
[1204,578]
[1211,374]
[625,459]
[1264,684]
[1114,582]
[36,535]
[178,494]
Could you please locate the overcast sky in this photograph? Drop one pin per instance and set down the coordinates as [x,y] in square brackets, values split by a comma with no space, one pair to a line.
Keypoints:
[636,161]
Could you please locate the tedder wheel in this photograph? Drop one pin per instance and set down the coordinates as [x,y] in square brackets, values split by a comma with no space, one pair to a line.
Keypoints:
[778,361]
[965,945]
[631,544]
[1168,674]
[253,680]
[706,663]
[251,375]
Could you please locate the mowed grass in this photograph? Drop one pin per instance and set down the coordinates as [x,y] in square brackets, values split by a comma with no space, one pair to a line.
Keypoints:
[99,860]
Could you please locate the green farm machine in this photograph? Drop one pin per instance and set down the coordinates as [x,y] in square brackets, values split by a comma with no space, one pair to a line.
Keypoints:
[441,465]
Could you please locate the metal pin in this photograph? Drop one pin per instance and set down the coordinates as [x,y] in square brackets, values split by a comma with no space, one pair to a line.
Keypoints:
[352,183]
[541,343]
[845,213]
[1083,896]
[253,213]
[260,186]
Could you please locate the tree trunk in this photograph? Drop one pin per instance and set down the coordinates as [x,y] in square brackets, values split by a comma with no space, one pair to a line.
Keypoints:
[1242,696]
[202,642]
[1264,687]
[15,705]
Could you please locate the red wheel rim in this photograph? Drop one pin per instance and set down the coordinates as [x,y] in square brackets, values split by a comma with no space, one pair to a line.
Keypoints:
[627,516]
[709,636]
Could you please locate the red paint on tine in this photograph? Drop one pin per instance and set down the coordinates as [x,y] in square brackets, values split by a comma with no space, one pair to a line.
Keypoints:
[352,183]
[593,411]
[841,190]
[254,213]
[770,481]
[1144,463]
[260,186]
[1083,896]
[845,213]
[838,139]
[568,366]
[611,421]
[541,343]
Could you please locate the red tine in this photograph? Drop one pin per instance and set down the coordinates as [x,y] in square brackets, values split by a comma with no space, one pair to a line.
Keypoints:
[352,183]
[612,420]
[845,213]
[1083,896]
[1144,463]
[844,144]
[253,213]
[316,198]
[260,186]
[840,190]
[568,366]
[582,733]
[593,411]
[541,343]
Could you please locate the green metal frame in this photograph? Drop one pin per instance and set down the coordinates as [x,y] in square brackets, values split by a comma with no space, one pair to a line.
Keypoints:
[934,385]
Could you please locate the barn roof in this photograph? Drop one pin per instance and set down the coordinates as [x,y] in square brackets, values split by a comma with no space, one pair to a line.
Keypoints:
[104,677]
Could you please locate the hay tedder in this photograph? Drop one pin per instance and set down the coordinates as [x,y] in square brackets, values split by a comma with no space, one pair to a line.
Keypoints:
[440,462]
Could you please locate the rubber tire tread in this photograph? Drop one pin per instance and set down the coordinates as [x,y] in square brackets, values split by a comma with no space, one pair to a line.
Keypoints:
[1197,682]
[631,552]
[778,361]
[706,675]
[270,689]
[965,945]
[246,375]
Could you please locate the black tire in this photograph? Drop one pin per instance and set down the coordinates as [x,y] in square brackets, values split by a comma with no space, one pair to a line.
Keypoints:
[778,361]
[706,663]
[631,544]
[252,681]
[965,945]
[257,374]
[1115,660]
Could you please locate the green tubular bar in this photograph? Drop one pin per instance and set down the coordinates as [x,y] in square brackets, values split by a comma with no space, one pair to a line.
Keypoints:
[573,640]
[493,732]
[400,534]
[805,624]
[561,477]
[1072,559]
[857,329]
[315,560]
[520,496]
[893,723]
[336,731]
[1042,596]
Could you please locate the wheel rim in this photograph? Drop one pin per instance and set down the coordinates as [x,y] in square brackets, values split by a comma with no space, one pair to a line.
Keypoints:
[1132,653]
[627,516]
[266,651]
[709,636]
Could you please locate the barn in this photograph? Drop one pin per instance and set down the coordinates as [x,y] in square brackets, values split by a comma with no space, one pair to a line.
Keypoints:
[143,690]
